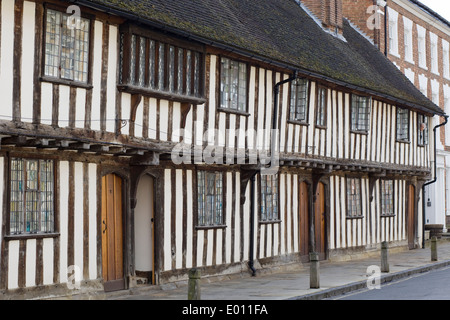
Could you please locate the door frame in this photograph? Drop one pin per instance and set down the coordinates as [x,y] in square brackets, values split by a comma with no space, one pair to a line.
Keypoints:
[153,226]
[136,173]
[123,175]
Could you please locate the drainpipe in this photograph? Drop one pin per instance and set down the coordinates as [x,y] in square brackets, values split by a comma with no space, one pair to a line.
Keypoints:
[276,91]
[252,225]
[385,30]
[432,181]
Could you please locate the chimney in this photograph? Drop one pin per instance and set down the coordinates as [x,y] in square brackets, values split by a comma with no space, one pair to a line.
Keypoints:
[368,16]
[329,12]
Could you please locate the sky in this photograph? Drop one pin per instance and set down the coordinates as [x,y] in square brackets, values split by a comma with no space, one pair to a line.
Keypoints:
[442,7]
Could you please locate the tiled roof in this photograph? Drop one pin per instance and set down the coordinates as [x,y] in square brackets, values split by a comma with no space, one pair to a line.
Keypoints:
[282,32]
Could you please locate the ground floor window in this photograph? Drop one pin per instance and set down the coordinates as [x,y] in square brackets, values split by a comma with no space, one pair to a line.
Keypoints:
[31,196]
[353,197]
[210,198]
[387,197]
[269,198]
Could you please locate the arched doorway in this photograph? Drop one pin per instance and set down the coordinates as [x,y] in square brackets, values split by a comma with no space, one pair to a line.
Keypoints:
[144,232]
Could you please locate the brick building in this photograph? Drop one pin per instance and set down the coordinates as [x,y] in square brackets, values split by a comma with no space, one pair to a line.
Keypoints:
[416,39]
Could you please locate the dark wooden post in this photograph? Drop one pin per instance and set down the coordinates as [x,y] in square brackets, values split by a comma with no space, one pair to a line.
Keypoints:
[434,255]
[314,275]
[194,284]
[384,257]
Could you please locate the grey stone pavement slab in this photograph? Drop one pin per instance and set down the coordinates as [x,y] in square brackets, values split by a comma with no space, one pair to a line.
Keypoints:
[336,278]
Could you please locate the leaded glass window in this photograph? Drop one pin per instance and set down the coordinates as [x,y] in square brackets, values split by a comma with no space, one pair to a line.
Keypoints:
[353,197]
[210,198]
[321,119]
[158,66]
[360,118]
[269,198]
[233,85]
[422,133]
[32,196]
[299,100]
[402,124]
[66,47]
[387,197]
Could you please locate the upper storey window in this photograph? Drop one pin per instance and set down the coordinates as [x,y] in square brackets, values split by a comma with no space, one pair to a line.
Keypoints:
[233,85]
[299,100]
[162,66]
[361,107]
[66,47]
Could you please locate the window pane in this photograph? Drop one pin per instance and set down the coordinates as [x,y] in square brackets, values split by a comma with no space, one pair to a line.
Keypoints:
[353,197]
[269,198]
[32,196]
[180,75]
[16,202]
[171,69]
[151,64]
[321,107]
[210,193]
[233,85]
[142,60]
[52,43]
[299,100]
[161,64]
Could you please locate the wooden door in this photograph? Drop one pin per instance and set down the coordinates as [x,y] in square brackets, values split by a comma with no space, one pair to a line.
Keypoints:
[304,221]
[319,222]
[112,233]
[411,217]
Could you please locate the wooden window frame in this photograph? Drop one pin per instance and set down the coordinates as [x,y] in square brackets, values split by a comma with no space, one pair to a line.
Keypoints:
[318,106]
[222,197]
[355,125]
[129,32]
[423,141]
[399,115]
[32,235]
[383,200]
[58,80]
[266,220]
[295,107]
[348,199]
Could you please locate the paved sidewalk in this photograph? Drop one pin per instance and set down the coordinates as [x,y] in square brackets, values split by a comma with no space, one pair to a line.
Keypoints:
[336,278]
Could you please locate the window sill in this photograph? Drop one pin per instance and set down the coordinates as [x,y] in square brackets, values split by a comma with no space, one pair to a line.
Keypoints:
[422,145]
[27,236]
[232,111]
[210,227]
[69,83]
[132,89]
[355,217]
[270,222]
[403,141]
[359,132]
[321,127]
[387,215]
[298,122]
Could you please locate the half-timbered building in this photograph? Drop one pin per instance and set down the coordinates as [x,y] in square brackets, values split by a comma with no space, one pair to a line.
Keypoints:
[142,139]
